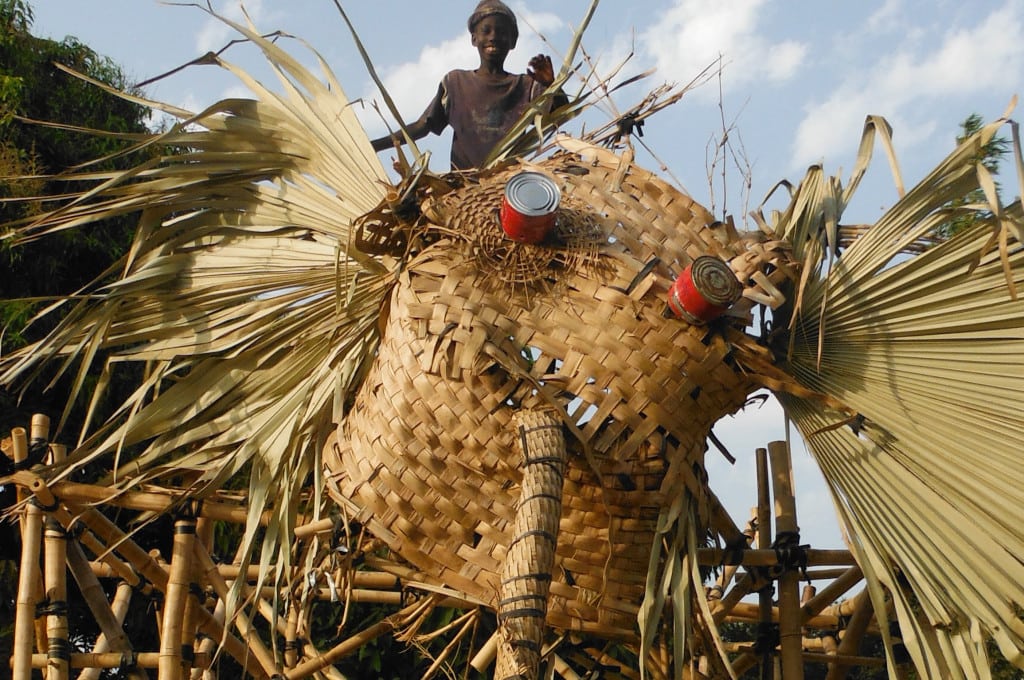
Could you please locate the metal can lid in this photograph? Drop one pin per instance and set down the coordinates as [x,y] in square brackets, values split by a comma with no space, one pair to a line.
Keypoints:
[532,194]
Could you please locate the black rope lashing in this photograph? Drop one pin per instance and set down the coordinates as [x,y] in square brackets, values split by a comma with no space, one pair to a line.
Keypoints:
[58,648]
[790,554]
[51,608]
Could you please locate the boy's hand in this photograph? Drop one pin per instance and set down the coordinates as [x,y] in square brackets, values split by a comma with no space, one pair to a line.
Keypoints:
[540,69]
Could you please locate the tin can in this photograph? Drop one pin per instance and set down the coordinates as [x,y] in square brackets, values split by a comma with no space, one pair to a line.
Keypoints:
[704,291]
[529,205]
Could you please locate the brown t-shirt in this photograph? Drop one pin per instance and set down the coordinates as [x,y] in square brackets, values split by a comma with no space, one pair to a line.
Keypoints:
[480,110]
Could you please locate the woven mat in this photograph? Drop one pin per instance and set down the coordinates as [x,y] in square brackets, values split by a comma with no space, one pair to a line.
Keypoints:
[480,327]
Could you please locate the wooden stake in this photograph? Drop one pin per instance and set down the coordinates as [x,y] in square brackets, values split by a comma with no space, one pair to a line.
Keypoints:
[789,582]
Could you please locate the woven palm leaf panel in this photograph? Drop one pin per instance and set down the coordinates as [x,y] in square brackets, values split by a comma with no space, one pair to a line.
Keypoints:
[480,327]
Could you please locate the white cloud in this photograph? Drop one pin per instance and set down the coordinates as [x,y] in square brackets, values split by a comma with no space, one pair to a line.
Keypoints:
[963,64]
[692,35]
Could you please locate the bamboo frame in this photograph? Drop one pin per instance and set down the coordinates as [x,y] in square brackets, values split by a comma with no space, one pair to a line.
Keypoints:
[117,556]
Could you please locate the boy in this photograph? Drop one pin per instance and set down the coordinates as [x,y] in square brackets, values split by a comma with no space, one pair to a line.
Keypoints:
[483,104]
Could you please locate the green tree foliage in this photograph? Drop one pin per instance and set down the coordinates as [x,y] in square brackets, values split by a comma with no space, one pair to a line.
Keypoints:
[990,157]
[32,88]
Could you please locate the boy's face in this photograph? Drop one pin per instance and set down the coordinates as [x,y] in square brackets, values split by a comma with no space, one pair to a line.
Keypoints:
[492,38]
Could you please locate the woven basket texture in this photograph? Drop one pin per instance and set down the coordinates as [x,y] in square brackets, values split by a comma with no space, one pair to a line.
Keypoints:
[481,328]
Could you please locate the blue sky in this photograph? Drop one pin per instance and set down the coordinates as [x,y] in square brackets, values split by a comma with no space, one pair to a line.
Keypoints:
[796,82]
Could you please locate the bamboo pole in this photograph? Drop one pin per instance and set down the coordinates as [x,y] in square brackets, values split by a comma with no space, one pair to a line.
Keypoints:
[28,574]
[148,501]
[111,660]
[351,645]
[764,539]
[789,581]
[769,558]
[190,624]
[832,592]
[119,642]
[863,614]
[484,656]
[175,598]
[58,648]
[291,643]
[729,571]
[241,620]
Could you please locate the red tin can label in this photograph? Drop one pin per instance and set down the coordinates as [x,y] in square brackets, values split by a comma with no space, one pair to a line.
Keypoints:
[529,205]
[705,290]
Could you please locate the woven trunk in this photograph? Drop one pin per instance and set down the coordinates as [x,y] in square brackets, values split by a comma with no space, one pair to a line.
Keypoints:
[480,329]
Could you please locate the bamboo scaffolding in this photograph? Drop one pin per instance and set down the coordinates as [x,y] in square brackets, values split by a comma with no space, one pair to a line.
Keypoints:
[858,626]
[381,582]
[241,620]
[147,566]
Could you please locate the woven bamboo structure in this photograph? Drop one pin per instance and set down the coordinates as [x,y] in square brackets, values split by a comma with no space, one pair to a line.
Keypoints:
[430,415]
[429,450]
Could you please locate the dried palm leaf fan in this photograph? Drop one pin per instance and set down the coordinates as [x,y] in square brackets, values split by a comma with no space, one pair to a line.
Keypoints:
[524,423]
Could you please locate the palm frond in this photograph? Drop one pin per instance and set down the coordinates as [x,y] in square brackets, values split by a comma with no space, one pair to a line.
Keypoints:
[923,346]
[242,294]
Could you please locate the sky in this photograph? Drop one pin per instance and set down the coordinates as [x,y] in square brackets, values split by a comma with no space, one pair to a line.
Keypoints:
[791,84]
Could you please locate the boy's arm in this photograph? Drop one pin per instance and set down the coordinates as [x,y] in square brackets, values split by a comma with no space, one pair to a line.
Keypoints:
[434,119]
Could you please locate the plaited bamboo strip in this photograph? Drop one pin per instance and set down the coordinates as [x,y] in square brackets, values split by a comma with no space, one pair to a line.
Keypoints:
[526,574]
[426,451]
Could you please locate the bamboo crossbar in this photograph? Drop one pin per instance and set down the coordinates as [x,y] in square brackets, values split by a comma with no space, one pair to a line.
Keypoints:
[111,660]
